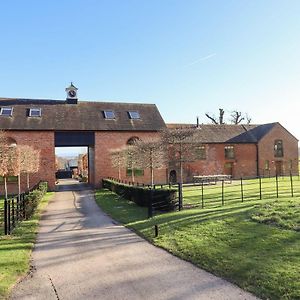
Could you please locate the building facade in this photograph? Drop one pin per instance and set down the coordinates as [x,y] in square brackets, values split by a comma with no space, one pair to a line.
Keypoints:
[237,150]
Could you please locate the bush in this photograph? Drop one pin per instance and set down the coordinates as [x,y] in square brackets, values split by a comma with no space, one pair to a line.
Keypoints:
[162,199]
[33,198]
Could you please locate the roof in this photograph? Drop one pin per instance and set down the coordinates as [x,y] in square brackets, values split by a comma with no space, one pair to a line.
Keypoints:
[210,133]
[87,116]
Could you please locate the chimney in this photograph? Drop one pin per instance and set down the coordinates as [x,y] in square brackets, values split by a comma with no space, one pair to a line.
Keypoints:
[197,125]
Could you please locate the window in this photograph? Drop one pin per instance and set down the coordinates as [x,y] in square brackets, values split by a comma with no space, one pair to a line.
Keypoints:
[109,114]
[6,111]
[35,112]
[134,115]
[201,152]
[136,172]
[10,179]
[290,164]
[278,148]
[267,165]
[229,152]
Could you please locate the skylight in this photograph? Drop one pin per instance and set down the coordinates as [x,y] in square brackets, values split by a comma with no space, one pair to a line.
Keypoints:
[35,112]
[6,111]
[134,115]
[109,114]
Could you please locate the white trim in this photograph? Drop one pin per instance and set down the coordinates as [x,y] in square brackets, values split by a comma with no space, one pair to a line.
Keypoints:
[36,110]
[6,108]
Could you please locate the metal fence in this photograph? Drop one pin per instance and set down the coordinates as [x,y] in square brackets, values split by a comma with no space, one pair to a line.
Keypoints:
[15,209]
[203,194]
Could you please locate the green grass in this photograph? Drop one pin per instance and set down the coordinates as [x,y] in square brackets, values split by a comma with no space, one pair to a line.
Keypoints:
[212,194]
[15,250]
[224,240]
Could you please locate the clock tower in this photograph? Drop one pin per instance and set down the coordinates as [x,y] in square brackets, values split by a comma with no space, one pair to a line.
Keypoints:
[72,94]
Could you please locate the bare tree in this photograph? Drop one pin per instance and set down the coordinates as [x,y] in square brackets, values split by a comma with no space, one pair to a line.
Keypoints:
[118,159]
[29,161]
[219,120]
[132,160]
[181,144]
[151,153]
[236,117]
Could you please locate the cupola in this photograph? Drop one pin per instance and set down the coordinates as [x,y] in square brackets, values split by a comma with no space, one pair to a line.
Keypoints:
[71,91]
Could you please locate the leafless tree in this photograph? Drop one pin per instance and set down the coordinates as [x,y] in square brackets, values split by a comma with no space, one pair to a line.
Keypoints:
[29,161]
[118,159]
[219,120]
[181,144]
[151,154]
[236,117]
[132,160]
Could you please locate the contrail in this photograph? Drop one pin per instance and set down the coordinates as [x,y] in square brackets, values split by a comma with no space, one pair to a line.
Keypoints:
[202,59]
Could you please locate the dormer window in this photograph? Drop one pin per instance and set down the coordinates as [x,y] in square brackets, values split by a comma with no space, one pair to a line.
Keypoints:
[6,111]
[134,115]
[35,112]
[109,114]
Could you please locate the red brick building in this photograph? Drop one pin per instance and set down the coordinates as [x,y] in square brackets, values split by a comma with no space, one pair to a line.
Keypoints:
[242,151]
[239,150]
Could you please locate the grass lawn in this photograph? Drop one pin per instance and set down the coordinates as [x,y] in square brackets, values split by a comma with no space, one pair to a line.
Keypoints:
[229,241]
[15,250]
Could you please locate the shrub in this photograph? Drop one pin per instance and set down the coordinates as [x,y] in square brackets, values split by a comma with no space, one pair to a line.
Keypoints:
[162,199]
[33,198]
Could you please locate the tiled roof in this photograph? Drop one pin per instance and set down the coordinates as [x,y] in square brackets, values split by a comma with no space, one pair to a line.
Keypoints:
[58,115]
[210,133]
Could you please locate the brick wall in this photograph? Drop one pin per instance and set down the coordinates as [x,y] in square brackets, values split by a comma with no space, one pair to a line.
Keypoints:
[43,141]
[290,151]
[107,140]
[243,164]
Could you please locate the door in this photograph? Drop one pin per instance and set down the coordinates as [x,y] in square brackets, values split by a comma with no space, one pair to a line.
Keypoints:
[278,168]
[228,168]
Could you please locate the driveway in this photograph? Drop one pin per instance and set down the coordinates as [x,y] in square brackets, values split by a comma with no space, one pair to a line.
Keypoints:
[82,254]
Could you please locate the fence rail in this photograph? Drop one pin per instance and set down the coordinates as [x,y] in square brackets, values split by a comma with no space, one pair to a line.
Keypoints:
[15,209]
[203,195]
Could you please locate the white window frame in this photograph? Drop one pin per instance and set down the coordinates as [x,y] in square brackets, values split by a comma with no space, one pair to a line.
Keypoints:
[6,108]
[131,112]
[35,109]
[106,116]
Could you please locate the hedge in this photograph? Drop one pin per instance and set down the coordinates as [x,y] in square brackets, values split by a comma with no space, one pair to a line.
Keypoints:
[33,198]
[162,199]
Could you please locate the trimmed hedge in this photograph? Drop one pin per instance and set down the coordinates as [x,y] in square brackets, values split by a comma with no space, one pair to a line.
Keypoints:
[162,199]
[33,198]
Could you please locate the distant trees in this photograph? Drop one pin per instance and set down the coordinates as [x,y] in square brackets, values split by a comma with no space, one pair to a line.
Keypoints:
[236,117]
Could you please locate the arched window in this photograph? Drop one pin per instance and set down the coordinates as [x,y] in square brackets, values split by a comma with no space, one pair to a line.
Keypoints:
[132,140]
[278,148]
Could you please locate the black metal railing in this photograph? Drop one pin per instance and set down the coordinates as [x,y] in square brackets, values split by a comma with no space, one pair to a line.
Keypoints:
[15,209]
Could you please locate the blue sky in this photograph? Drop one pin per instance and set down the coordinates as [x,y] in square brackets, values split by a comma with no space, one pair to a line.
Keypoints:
[188,57]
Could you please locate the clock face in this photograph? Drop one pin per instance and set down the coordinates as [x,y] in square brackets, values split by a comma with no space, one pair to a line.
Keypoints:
[72,93]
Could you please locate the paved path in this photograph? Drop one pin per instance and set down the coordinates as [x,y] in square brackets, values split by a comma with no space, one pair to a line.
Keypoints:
[81,254]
